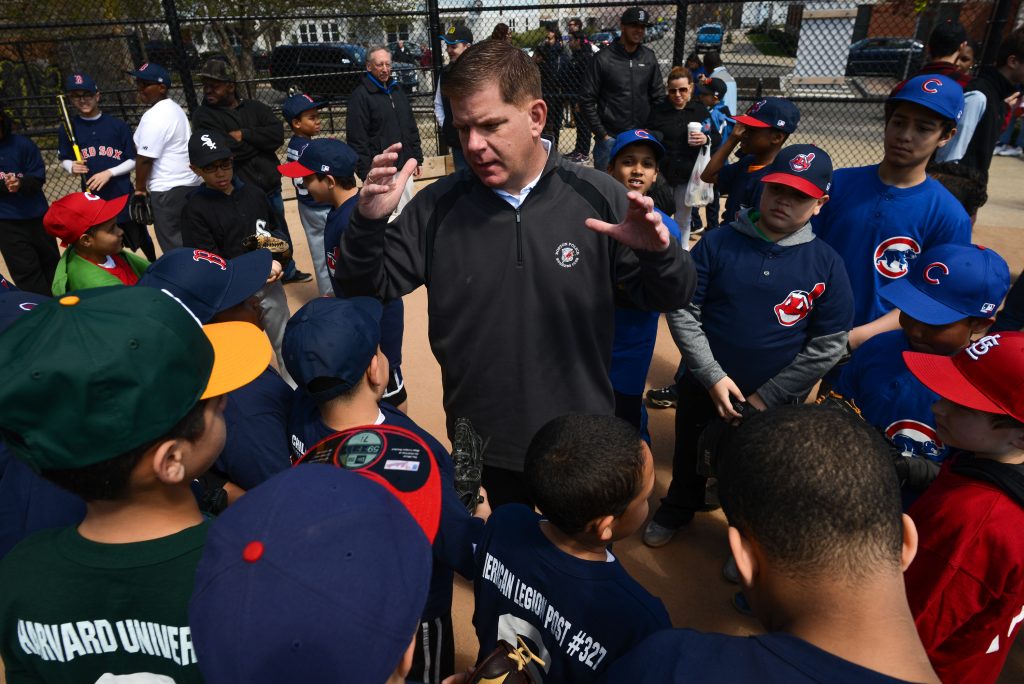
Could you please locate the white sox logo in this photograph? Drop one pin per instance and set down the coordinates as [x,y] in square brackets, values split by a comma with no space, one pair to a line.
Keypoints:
[933,270]
[797,304]
[893,256]
[981,347]
[207,142]
[801,162]
[567,255]
[210,258]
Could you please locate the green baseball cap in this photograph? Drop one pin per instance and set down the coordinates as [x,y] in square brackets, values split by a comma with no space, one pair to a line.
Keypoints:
[90,376]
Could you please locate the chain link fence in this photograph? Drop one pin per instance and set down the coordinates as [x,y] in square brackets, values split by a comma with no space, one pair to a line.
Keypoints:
[835,60]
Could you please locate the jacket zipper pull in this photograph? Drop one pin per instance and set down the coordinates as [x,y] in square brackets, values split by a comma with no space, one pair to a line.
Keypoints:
[519,239]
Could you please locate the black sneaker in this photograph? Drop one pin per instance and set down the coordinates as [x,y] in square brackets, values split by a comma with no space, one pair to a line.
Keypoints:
[662,397]
[298,277]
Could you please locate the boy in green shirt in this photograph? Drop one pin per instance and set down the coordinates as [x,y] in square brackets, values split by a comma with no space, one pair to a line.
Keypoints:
[117,395]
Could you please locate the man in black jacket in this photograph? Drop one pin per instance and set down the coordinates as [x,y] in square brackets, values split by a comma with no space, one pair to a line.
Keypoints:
[457,40]
[379,115]
[524,256]
[620,86]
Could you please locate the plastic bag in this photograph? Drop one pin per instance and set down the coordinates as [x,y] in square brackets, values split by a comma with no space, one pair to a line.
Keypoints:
[699,193]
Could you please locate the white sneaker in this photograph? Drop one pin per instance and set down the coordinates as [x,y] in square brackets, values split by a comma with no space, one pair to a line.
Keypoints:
[1008,151]
[656,535]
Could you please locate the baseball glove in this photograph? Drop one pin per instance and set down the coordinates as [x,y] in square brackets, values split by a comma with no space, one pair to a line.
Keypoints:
[139,209]
[506,665]
[837,401]
[468,457]
[281,250]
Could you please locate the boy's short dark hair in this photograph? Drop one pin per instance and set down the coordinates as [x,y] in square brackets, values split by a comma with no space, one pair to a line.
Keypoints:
[963,182]
[346,182]
[517,76]
[712,60]
[108,480]
[583,467]
[946,38]
[1012,46]
[816,488]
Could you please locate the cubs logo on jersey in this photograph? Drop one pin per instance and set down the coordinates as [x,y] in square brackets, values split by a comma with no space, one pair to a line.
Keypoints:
[797,304]
[801,162]
[916,439]
[893,256]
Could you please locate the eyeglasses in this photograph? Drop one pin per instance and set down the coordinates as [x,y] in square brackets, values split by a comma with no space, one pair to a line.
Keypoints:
[673,91]
[225,165]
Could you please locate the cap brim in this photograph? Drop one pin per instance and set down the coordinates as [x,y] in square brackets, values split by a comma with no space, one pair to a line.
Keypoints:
[294,170]
[111,209]
[751,121]
[241,351]
[801,184]
[941,375]
[249,273]
[906,297]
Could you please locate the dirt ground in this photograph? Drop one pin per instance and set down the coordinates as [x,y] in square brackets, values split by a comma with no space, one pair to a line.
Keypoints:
[686,574]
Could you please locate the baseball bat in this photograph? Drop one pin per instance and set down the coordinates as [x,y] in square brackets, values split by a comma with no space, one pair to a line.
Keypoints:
[70,130]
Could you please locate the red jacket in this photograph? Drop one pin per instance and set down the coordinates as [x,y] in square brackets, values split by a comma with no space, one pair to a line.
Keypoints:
[966,586]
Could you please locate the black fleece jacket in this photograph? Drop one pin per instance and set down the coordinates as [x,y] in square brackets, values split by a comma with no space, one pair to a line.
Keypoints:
[620,88]
[262,136]
[377,118]
[670,124]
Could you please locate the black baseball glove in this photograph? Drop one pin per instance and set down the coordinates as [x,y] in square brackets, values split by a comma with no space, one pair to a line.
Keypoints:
[468,457]
[139,209]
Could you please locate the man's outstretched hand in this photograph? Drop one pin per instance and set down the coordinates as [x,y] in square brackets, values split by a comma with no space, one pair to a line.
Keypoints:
[384,184]
[641,229]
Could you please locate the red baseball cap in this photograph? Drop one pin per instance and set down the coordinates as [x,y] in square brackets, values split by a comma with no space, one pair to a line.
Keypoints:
[69,217]
[987,376]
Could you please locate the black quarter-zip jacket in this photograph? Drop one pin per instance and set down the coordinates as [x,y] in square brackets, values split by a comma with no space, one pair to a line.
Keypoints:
[520,301]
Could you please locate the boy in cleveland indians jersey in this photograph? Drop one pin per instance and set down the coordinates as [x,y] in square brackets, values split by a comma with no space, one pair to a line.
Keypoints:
[769,318]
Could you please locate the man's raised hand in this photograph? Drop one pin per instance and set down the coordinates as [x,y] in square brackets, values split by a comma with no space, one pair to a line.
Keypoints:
[384,184]
[641,228]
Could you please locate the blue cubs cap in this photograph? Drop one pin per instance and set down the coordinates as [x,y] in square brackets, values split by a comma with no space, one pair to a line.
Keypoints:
[949,283]
[805,167]
[323,155]
[317,575]
[329,343]
[637,135]
[152,72]
[207,283]
[79,81]
[771,112]
[14,304]
[936,92]
[296,104]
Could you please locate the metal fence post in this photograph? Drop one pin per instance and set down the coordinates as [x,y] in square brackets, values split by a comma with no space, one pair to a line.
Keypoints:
[434,27]
[184,68]
[994,32]
[679,48]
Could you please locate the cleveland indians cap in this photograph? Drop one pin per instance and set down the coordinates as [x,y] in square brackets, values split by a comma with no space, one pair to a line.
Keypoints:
[636,15]
[316,575]
[296,104]
[949,283]
[712,86]
[322,155]
[79,81]
[69,217]
[457,34]
[807,168]
[207,283]
[771,112]
[939,93]
[329,342]
[986,376]
[152,73]
[14,304]
[148,362]
[636,135]
[207,147]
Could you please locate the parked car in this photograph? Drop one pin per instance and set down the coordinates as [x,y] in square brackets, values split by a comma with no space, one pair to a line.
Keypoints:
[260,57]
[897,57]
[603,39]
[407,74]
[413,52]
[321,69]
[709,37]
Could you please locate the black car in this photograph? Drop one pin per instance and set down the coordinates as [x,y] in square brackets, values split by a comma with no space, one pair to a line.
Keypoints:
[897,57]
[317,68]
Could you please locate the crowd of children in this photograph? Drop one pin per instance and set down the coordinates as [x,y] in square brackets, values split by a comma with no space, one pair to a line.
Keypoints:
[177,506]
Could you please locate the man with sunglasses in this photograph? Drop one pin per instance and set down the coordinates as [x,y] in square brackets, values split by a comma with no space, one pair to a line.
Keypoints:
[161,163]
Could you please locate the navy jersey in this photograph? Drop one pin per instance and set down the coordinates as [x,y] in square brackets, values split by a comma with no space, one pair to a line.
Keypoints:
[458,532]
[392,320]
[105,142]
[295,147]
[761,302]
[577,615]
[256,416]
[636,332]
[685,655]
[879,229]
[742,185]
[21,157]
[891,398]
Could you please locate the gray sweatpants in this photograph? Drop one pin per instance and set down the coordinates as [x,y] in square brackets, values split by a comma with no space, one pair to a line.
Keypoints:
[275,317]
[167,207]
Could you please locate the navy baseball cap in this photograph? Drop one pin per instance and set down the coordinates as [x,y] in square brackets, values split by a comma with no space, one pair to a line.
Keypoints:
[331,339]
[316,575]
[637,135]
[322,155]
[949,283]
[936,92]
[296,104]
[636,15]
[6,285]
[15,303]
[207,147]
[153,73]
[807,168]
[771,112]
[457,34]
[712,86]
[79,81]
[207,283]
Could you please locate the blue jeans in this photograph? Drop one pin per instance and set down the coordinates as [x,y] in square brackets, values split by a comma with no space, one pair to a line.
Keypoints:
[1004,139]
[603,153]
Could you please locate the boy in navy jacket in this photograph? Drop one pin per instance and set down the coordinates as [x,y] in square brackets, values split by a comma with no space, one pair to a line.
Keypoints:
[770,317]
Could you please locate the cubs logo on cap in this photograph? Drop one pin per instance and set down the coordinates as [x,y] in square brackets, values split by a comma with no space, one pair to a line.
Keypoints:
[637,135]
[797,304]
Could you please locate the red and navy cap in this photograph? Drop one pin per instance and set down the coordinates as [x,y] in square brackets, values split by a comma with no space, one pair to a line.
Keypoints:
[936,92]
[296,104]
[152,73]
[69,217]
[949,283]
[807,168]
[322,155]
[771,112]
[986,376]
[79,81]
